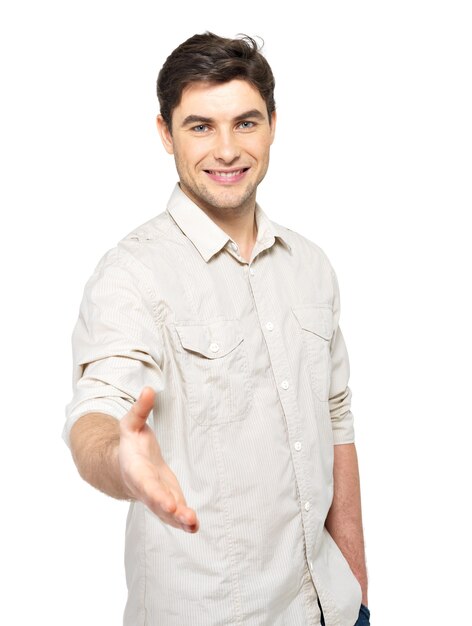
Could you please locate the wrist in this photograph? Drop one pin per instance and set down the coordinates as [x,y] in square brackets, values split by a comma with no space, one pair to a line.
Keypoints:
[126,493]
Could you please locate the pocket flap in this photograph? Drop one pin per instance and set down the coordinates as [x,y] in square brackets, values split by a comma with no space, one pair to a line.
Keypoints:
[211,339]
[316,319]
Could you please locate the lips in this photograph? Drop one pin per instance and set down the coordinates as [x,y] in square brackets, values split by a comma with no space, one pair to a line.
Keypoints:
[227,176]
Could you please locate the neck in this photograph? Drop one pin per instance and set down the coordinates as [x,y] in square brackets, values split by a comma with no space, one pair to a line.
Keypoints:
[239,223]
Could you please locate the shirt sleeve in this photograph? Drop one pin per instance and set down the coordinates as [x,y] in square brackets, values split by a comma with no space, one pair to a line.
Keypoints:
[342,419]
[116,346]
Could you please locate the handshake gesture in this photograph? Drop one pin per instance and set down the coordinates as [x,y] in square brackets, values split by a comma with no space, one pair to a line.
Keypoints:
[145,474]
[123,459]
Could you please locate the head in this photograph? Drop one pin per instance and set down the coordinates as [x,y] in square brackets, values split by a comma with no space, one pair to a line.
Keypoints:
[217,117]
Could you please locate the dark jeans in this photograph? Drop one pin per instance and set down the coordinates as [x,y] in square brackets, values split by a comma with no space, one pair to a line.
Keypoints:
[362,620]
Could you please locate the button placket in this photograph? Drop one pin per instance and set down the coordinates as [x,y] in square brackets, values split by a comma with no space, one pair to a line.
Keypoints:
[291,412]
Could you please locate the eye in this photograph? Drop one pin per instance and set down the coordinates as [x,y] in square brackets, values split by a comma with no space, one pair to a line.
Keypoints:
[201,128]
[245,125]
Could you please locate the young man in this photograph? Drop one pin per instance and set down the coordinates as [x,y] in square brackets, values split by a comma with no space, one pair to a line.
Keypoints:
[211,379]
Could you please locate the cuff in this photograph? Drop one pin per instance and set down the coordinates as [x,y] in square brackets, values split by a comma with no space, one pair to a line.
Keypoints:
[115,407]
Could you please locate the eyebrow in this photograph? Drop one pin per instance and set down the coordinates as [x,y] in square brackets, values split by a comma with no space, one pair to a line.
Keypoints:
[201,119]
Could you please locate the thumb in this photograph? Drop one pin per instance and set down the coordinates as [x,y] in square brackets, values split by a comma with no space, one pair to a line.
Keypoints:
[139,412]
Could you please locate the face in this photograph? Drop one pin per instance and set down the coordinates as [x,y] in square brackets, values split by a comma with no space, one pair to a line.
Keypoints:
[220,140]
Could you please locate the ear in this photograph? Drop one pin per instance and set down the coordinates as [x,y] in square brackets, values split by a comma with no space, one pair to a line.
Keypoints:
[273,124]
[165,134]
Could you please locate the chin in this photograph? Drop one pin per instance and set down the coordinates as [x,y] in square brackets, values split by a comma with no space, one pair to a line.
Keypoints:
[226,199]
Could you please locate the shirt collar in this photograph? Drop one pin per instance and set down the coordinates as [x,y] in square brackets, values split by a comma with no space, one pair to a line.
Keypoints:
[206,235]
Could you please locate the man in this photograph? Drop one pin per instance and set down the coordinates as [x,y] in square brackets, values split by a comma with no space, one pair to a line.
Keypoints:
[210,380]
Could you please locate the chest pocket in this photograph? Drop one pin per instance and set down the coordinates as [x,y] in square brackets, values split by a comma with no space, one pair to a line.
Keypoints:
[316,323]
[215,371]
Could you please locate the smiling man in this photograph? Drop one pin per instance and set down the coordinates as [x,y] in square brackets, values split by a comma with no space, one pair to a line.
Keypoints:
[222,156]
[210,368]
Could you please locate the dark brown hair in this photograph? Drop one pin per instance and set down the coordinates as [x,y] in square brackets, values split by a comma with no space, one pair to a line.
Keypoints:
[208,57]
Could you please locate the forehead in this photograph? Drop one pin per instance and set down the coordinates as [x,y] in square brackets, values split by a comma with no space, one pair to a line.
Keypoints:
[219,101]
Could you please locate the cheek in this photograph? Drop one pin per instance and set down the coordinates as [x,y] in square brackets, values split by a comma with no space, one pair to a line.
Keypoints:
[195,149]
[257,148]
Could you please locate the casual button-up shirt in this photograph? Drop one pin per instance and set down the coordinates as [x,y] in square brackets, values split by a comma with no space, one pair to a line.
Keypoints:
[251,373]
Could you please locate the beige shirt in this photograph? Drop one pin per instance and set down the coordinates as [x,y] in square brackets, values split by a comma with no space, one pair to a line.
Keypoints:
[252,375]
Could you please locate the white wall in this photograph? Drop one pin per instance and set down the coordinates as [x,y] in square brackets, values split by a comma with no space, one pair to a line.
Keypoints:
[372,161]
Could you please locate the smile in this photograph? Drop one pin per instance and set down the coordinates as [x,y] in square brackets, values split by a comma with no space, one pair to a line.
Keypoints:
[227,176]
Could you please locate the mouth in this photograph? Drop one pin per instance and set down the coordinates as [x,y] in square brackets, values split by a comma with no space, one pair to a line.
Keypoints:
[227,176]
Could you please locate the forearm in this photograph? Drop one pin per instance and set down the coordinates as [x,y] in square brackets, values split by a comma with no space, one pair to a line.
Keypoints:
[344,521]
[94,443]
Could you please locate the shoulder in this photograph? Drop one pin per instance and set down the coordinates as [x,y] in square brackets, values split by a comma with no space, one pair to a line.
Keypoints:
[128,254]
[304,248]
[131,251]
[155,229]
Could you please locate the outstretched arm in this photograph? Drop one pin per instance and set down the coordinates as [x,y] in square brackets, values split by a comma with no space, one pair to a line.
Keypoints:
[344,520]
[123,459]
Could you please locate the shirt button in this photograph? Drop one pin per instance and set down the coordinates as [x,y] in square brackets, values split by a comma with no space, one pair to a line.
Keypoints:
[252,271]
[311,565]
[284,384]
[214,347]
[269,326]
[234,246]
[307,506]
[298,446]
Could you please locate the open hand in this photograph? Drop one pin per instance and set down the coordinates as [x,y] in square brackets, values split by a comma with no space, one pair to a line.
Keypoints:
[145,474]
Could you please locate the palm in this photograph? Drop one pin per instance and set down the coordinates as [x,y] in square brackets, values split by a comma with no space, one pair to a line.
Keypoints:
[146,475]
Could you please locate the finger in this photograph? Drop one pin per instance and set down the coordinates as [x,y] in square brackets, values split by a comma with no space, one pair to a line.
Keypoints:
[187,518]
[139,412]
[186,515]
[165,513]
[191,527]
[160,501]
[164,503]
[187,522]
[183,513]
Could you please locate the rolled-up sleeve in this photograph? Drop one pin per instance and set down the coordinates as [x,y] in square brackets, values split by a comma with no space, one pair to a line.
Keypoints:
[116,347]
[342,419]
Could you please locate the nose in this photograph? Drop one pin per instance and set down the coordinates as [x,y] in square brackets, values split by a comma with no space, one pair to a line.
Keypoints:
[226,148]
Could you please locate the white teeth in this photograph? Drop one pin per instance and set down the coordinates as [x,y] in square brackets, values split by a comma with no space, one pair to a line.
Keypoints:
[226,174]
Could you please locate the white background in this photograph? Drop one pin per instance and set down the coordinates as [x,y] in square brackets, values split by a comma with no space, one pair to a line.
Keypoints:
[372,161]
